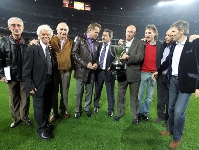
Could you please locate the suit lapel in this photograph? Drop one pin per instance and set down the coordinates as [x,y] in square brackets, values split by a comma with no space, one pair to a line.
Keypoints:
[132,46]
[41,53]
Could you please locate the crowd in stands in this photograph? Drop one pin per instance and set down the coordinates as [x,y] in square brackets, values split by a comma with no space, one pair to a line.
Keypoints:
[116,21]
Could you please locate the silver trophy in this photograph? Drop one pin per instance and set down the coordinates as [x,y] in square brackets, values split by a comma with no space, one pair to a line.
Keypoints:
[117,67]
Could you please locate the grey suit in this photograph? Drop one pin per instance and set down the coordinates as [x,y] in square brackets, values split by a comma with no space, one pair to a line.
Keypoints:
[131,78]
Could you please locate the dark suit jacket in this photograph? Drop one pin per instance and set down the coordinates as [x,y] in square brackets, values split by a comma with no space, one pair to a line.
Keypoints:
[133,64]
[109,59]
[159,52]
[35,69]
[188,65]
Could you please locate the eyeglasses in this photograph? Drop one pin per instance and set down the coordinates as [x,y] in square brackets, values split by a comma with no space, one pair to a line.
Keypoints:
[14,25]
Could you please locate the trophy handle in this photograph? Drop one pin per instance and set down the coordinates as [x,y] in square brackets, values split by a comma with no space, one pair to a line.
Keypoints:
[110,50]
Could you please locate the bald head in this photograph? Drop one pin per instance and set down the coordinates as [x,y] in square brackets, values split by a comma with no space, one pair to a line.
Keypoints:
[169,37]
[62,30]
[130,32]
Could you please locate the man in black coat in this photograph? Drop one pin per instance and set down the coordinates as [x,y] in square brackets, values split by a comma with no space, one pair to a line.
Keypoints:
[183,79]
[12,51]
[38,79]
[162,82]
[106,57]
[85,54]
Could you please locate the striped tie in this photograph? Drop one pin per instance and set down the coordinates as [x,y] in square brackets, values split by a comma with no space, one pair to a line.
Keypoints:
[102,56]
[48,58]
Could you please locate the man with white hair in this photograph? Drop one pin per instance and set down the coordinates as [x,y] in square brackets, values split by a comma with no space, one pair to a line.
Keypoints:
[38,79]
[12,51]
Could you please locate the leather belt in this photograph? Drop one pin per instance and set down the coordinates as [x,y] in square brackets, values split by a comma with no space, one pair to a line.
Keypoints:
[176,77]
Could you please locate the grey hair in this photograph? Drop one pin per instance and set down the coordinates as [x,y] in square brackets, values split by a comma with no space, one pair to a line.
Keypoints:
[110,32]
[44,27]
[15,18]
[181,25]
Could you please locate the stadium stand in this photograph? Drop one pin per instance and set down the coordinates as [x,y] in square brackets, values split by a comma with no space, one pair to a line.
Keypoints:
[78,20]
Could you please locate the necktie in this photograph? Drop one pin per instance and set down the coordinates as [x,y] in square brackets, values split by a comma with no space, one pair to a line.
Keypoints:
[48,58]
[102,56]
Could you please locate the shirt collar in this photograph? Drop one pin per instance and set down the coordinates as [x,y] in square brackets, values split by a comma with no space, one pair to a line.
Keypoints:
[88,38]
[177,43]
[130,41]
[17,41]
[154,44]
[42,45]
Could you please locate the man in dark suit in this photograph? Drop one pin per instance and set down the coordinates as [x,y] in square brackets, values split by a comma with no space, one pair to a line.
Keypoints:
[162,82]
[85,54]
[183,78]
[38,79]
[106,57]
[133,58]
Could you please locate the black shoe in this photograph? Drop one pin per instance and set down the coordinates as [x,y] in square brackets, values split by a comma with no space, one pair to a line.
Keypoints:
[14,124]
[50,126]
[110,114]
[88,113]
[96,110]
[116,118]
[28,122]
[145,118]
[44,136]
[77,115]
[135,121]
[140,116]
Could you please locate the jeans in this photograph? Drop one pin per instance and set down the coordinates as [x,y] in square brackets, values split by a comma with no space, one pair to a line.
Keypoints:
[178,103]
[149,85]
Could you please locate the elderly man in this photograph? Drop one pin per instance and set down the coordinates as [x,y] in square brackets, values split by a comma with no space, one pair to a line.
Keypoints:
[61,47]
[12,51]
[38,79]
[61,50]
[183,77]
[85,54]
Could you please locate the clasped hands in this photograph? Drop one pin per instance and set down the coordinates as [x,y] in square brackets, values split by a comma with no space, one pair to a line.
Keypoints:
[93,67]
[33,91]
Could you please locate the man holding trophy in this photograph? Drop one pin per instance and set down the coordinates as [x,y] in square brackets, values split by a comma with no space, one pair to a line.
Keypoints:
[132,57]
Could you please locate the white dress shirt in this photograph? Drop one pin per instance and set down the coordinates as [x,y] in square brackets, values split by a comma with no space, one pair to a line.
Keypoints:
[165,54]
[43,47]
[176,57]
[128,44]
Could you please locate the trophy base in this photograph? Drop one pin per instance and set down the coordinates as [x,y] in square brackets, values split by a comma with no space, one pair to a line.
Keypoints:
[117,69]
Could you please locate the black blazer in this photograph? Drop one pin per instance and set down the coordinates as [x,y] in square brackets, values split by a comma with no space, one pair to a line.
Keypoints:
[109,59]
[187,69]
[35,69]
